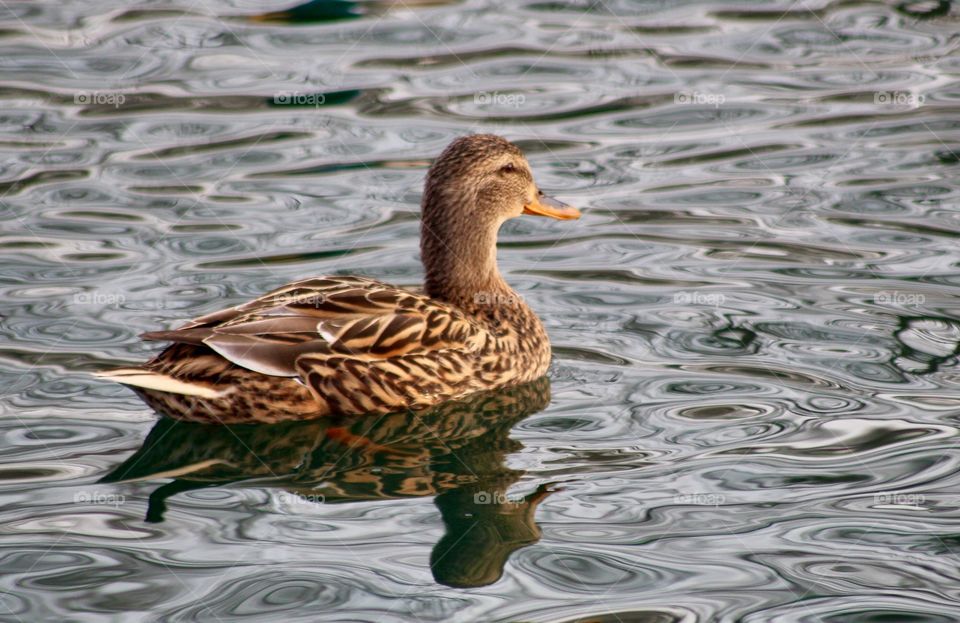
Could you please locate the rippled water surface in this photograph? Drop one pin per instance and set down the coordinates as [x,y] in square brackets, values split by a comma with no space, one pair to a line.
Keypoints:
[753,410]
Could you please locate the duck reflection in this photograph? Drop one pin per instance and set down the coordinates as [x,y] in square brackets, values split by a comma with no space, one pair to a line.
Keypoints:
[455,452]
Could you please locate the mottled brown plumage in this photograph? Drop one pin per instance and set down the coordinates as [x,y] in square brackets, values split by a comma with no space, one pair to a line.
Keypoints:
[352,345]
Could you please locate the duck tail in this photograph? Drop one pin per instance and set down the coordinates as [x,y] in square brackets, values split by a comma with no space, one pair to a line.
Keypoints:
[148,379]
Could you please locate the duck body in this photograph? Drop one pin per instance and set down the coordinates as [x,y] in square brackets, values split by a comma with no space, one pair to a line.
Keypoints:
[340,345]
[337,345]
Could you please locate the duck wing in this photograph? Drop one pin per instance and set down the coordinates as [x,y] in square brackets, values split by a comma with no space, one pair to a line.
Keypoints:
[360,345]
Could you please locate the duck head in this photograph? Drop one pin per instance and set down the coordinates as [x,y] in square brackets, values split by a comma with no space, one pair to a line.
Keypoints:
[477,183]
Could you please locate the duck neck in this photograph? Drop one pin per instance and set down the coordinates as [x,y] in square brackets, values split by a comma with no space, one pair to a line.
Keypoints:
[460,258]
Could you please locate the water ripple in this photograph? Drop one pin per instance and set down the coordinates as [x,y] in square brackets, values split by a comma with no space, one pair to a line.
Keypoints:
[754,324]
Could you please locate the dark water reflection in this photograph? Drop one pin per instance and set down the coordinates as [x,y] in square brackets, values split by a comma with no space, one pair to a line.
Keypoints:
[755,404]
[454,452]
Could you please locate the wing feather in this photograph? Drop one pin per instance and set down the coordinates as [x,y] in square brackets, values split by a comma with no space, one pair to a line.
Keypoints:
[358,344]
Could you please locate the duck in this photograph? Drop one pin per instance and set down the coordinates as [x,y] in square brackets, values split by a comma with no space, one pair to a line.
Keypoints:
[351,345]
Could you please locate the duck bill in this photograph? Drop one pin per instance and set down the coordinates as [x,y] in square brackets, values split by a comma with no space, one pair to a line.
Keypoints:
[548,206]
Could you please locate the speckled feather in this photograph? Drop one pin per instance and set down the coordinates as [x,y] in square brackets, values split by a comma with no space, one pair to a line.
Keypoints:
[343,345]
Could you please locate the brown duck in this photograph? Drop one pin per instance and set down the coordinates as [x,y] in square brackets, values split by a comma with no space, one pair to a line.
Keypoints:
[352,345]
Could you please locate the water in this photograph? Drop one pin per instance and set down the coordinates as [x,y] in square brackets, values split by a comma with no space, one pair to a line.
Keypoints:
[753,411]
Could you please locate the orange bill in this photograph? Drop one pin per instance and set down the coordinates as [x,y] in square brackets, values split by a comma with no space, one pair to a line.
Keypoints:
[543,205]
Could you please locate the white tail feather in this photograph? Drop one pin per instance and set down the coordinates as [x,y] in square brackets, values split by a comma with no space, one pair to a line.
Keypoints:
[160,382]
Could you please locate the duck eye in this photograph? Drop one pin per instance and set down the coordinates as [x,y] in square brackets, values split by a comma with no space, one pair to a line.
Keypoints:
[508,168]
